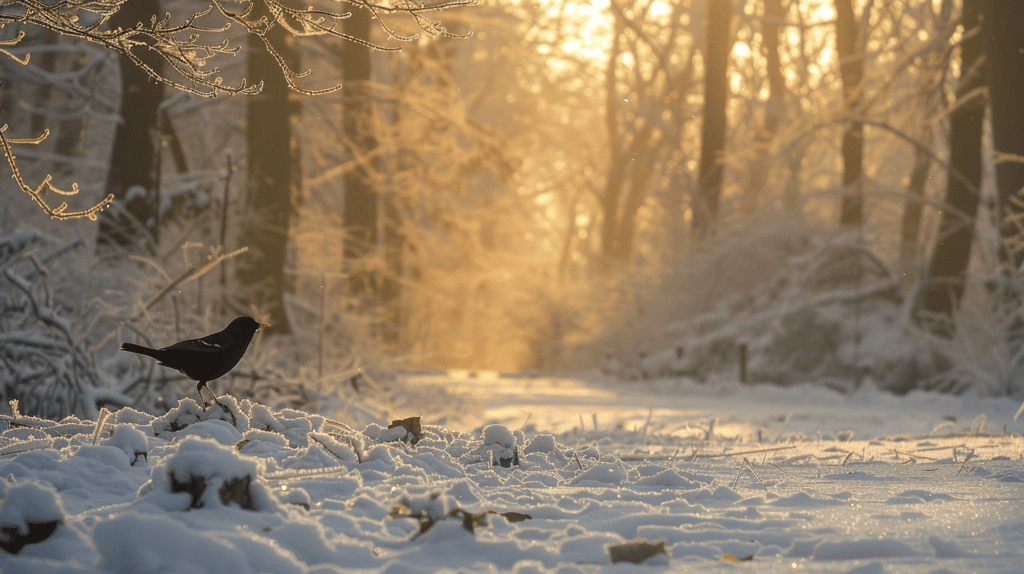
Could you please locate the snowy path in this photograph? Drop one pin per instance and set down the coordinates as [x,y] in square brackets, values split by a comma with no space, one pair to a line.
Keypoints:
[782,480]
[669,406]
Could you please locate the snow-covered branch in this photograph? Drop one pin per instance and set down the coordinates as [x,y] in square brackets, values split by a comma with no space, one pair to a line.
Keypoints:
[36,193]
[191,45]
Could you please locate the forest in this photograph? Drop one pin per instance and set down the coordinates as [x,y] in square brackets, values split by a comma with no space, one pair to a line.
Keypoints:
[777,191]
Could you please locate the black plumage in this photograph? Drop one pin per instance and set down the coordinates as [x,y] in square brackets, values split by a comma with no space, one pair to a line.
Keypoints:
[206,358]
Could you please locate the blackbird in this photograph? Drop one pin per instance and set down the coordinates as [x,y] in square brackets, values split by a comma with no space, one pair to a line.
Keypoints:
[206,358]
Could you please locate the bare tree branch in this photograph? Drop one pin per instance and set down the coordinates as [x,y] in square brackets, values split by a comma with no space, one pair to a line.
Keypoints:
[191,47]
[59,212]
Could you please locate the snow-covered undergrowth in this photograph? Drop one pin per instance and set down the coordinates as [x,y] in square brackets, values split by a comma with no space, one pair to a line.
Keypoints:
[244,488]
[810,308]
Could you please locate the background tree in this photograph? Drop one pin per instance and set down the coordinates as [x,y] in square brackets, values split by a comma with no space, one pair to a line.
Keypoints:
[189,48]
[928,104]
[531,189]
[648,78]
[773,110]
[361,206]
[271,182]
[133,223]
[1004,63]
[713,132]
[943,289]
[851,70]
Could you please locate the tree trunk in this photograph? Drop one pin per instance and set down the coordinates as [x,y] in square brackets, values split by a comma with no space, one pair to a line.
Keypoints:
[272,184]
[615,178]
[910,225]
[716,62]
[132,225]
[930,101]
[361,209]
[48,63]
[1004,62]
[66,131]
[944,287]
[644,168]
[851,70]
[773,109]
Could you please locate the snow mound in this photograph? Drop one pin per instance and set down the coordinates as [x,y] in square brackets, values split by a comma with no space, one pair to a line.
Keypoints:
[29,514]
[299,493]
[210,474]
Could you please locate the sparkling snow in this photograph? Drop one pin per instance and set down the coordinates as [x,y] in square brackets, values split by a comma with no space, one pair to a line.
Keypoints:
[543,476]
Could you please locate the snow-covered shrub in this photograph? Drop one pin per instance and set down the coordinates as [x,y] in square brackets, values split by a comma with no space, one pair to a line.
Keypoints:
[29,513]
[131,440]
[541,443]
[188,412]
[498,447]
[834,315]
[820,317]
[211,474]
[645,310]
[986,352]
[47,364]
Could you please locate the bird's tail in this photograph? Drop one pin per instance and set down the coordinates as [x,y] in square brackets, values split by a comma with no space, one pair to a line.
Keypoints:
[139,349]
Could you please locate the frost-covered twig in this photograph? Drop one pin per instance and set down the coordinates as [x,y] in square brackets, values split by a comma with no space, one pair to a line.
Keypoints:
[101,420]
[61,211]
[192,44]
[744,452]
[190,274]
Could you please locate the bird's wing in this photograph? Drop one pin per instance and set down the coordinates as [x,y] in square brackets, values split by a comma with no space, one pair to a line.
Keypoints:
[206,344]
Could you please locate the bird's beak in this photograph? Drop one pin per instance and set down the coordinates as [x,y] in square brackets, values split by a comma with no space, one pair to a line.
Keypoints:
[264,325]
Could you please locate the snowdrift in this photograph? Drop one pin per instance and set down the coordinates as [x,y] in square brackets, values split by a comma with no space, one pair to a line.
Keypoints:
[242,488]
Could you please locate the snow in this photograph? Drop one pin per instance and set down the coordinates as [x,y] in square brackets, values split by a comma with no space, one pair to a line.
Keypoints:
[546,476]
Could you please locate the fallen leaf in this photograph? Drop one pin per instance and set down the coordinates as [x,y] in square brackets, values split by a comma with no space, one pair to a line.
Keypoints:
[411,425]
[731,558]
[636,552]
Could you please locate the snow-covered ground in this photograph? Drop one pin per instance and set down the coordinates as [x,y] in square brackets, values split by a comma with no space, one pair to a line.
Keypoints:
[539,475]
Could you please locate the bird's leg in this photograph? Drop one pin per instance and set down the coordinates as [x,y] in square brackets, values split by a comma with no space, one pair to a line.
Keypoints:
[212,394]
[215,397]
[234,420]
[199,389]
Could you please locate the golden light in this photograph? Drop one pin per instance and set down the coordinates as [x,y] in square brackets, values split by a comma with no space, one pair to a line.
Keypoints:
[591,19]
[660,8]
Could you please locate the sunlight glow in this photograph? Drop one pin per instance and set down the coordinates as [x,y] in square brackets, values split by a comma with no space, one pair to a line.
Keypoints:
[591,20]
[660,8]
[817,42]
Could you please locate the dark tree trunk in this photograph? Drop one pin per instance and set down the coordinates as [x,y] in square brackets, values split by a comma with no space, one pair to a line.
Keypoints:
[851,71]
[271,181]
[48,63]
[944,286]
[1004,61]
[716,62]
[65,133]
[132,225]
[361,210]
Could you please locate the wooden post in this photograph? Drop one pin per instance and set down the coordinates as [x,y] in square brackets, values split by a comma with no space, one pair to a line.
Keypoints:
[743,363]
